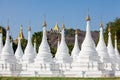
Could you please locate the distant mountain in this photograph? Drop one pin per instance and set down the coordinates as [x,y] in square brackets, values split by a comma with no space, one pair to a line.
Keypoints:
[70,37]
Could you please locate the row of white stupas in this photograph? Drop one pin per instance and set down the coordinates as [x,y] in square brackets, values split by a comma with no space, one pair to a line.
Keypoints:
[90,61]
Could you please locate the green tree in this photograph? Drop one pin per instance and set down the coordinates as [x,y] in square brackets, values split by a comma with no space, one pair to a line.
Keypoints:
[70,47]
[3,33]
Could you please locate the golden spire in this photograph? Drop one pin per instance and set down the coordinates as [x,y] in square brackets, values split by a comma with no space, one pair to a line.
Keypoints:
[88,17]
[101,24]
[44,24]
[21,36]
[29,28]
[1,30]
[35,40]
[56,28]
[21,27]
[63,25]
[7,28]
[115,35]
[76,31]
[109,29]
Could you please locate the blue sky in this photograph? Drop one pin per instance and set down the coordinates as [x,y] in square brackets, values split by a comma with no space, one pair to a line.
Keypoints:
[73,11]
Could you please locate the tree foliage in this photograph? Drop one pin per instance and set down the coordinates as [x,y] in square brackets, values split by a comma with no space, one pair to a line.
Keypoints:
[3,33]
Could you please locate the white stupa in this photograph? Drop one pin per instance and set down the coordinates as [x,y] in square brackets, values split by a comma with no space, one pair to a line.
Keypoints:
[44,65]
[117,55]
[103,54]
[7,54]
[101,47]
[1,41]
[19,51]
[62,54]
[29,54]
[11,43]
[76,50]
[117,70]
[8,62]
[28,58]
[116,50]
[35,46]
[88,52]
[110,48]
[113,57]
[44,54]
[88,63]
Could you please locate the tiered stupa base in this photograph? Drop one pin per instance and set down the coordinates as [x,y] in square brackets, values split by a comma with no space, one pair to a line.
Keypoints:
[9,69]
[46,69]
[27,70]
[90,69]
